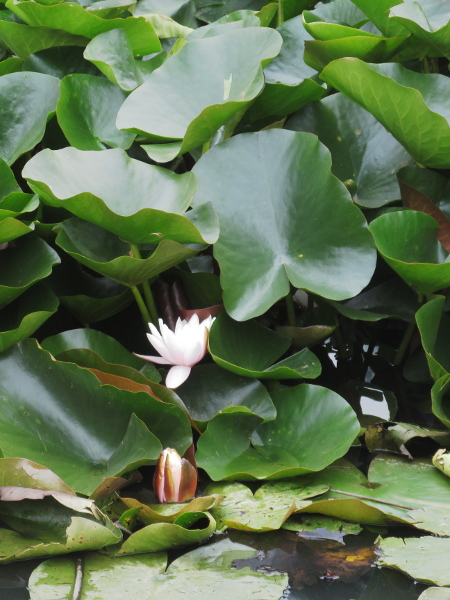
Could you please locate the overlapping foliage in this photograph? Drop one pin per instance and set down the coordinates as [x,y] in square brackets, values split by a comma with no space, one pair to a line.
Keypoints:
[282,165]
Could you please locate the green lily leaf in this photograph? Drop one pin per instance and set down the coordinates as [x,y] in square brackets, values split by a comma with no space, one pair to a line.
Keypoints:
[254,348]
[396,491]
[18,203]
[138,202]
[210,390]
[22,318]
[24,40]
[251,449]
[266,510]
[435,593]
[321,527]
[76,20]
[10,65]
[106,254]
[204,570]
[211,10]
[362,150]
[415,253]
[187,529]
[97,447]
[341,12]
[378,13]
[391,299]
[181,11]
[26,103]
[417,558]
[168,513]
[22,264]
[212,95]
[112,53]
[165,27]
[60,61]
[428,20]
[287,179]
[380,89]
[25,473]
[96,350]
[87,111]
[434,327]
[289,81]
[11,229]
[440,400]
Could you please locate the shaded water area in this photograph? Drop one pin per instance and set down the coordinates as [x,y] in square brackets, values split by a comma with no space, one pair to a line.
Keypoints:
[318,569]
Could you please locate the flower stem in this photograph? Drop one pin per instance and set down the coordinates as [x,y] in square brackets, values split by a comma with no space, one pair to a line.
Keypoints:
[404,344]
[149,300]
[280,13]
[290,309]
[140,302]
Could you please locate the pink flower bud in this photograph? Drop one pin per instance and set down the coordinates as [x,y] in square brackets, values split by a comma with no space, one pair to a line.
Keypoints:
[175,478]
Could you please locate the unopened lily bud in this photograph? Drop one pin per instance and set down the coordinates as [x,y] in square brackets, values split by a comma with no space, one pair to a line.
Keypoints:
[441,460]
[175,478]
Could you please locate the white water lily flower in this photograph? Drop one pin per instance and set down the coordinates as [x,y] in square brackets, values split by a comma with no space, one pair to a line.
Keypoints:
[182,348]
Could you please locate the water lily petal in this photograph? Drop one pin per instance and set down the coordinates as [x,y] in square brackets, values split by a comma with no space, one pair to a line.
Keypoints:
[154,359]
[161,347]
[176,376]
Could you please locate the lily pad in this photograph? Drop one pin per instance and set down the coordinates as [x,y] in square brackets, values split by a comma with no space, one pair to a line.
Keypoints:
[25,473]
[321,527]
[27,101]
[187,529]
[106,254]
[290,83]
[417,558]
[168,513]
[76,20]
[422,127]
[11,229]
[24,40]
[22,318]
[40,426]
[254,348]
[139,202]
[251,449]
[27,261]
[434,327]
[266,510]
[288,181]
[362,150]
[60,61]
[417,256]
[217,77]
[87,112]
[435,593]
[206,570]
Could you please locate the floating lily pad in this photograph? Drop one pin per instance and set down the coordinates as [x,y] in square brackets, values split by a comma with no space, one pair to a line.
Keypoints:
[216,77]
[290,83]
[76,20]
[417,558]
[254,348]
[416,254]
[136,201]
[321,527]
[21,265]
[25,473]
[22,318]
[435,593]
[266,510]
[60,61]
[206,570]
[27,100]
[422,127]
[168,513]
[187,529]
[87,112]
[40,426]
[210,390]
[362,150]
[285,446]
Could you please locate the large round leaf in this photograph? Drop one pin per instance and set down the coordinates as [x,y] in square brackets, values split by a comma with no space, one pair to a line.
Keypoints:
[23,264]
[434,327]
[138,202]
[71,424]
[199,89]
[408,243]
[422,125]
[60,61]
[106,254]
[210,390]
[290,83]
[73,18]
[361,148]
[87,112]
[314,426]
[26,101]
[277,186]
[249,349]
[21,319]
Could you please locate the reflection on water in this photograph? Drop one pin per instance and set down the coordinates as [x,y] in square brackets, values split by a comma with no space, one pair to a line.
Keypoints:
[318,569]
